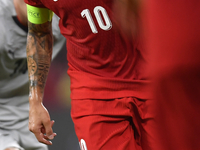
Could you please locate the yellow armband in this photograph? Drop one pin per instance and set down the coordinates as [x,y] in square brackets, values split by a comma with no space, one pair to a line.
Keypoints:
[38,15]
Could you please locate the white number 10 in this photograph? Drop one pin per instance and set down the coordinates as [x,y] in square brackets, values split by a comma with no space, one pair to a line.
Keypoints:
[97,10]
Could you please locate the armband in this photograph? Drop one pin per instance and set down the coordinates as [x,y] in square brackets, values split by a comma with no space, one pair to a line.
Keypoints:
[38,15]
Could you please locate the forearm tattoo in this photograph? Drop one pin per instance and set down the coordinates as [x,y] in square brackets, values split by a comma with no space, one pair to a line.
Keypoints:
[39,51]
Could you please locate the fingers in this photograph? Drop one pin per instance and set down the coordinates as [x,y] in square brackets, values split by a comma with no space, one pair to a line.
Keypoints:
[49,130]
[42,138]
[44,133]
[52,123]
[40,124]
[43,129]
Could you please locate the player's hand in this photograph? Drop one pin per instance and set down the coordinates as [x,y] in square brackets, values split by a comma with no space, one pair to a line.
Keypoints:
[40,123]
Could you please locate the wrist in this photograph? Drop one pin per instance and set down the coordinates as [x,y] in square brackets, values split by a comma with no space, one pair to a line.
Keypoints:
[35,97]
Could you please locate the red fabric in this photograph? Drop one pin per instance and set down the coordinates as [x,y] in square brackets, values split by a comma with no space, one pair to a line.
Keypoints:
[90,86]
[104,66]
[174,45]
[117,124]
[106,54]
[36,3]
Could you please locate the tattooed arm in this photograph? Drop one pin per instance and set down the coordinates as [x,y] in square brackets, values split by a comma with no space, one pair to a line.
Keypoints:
[39,51]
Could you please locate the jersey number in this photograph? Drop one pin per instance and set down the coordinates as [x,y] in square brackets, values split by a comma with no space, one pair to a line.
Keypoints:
[97,10]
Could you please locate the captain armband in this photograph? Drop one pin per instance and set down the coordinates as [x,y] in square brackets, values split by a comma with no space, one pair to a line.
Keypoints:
[38,15]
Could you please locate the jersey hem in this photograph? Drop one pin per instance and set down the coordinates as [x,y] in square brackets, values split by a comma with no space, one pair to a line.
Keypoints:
[87,86]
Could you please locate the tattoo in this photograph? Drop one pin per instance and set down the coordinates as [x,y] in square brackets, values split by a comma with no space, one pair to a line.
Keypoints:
[33,83]
[32,66]
[39,52]
[43,70]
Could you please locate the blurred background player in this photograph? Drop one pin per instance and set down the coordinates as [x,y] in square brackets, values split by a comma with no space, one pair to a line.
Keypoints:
[106,69]
[171,34]
[14,89]
[130,15]
[173,41]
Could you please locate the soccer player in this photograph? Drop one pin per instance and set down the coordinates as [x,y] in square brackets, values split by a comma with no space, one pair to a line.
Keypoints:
[106,69]
[14,83]
[174,46]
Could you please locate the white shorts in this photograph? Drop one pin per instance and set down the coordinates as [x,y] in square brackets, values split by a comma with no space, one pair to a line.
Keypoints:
[22,139]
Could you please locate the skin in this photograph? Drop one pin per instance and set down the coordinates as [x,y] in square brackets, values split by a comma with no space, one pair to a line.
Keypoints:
[39,52]
[20,8]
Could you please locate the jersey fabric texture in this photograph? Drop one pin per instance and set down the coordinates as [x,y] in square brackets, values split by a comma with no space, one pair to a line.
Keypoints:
[117,124]
[100,56]
[14,88]
[104,64]
[174,43]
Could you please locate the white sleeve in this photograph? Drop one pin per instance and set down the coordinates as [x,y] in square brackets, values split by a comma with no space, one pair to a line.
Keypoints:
[59,39]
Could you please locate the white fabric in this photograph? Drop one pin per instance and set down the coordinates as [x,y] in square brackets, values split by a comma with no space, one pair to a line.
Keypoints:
[14,105]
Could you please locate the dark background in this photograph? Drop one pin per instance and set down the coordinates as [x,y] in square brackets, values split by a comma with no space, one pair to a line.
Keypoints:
[57,101]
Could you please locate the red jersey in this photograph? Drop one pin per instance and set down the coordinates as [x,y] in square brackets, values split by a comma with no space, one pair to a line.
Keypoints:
[174,43]
[100,56]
